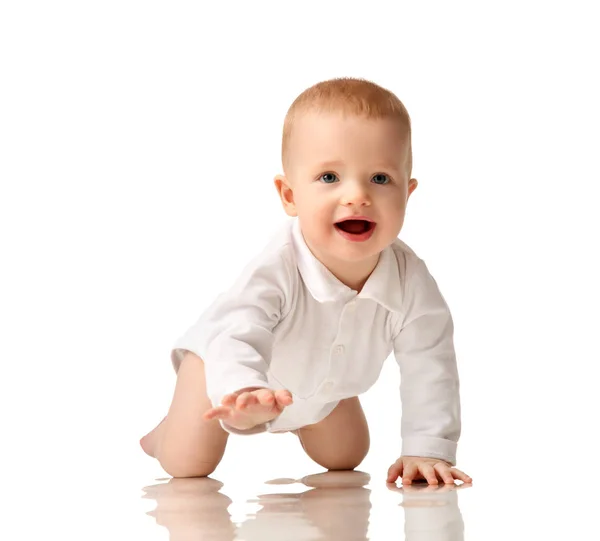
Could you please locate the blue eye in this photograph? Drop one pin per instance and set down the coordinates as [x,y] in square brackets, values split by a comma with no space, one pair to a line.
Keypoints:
[386,179]
[330,181]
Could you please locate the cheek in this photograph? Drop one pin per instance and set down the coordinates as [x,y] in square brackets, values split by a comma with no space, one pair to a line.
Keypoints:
[318,221]
[393,208]
[395,203]
[314,206]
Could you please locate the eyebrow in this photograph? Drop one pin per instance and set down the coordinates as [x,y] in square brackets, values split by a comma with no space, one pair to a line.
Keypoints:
[335,163]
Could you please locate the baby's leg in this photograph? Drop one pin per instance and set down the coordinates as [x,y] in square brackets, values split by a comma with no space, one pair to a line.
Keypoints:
[185,444]
[341,440]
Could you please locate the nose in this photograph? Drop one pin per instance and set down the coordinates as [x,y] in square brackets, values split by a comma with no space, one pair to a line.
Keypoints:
[355,194]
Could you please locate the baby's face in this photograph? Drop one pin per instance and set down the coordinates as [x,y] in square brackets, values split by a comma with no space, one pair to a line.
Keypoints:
[340,167]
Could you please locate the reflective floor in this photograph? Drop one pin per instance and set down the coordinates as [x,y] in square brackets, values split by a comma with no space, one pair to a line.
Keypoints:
[258,503]
[323,506]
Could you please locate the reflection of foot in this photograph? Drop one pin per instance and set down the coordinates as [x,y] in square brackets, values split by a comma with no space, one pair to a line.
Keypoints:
[282,481]
[337,506]
[337,479]
[148,442]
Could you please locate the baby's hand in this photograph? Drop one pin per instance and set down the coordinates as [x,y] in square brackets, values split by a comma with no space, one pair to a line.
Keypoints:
[430,470]
[248,408]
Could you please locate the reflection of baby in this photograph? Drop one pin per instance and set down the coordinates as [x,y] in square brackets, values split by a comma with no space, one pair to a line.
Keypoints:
[192,509]
[337,507]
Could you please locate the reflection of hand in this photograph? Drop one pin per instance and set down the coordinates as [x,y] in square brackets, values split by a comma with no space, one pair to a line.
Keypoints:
[431,512]
[424,488]
[250,407]
[425,495]
[423,468]
[192,509]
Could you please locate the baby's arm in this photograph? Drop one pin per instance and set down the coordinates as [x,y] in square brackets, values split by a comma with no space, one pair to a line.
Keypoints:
[234,338]
[188,443]
[429,387]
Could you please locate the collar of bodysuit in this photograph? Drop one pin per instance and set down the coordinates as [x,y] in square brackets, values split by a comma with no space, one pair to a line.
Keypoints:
[383,286]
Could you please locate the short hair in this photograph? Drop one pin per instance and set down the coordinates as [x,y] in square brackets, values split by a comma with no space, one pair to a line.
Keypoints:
[349,96]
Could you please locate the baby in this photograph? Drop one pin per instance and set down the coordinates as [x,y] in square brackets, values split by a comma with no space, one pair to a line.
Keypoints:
[308,324]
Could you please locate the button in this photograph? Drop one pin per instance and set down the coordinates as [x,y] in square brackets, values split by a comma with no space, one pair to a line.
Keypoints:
[328,385]
[351,305]
[339,350]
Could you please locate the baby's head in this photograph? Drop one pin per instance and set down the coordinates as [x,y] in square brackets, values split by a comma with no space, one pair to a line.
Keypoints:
[346,151]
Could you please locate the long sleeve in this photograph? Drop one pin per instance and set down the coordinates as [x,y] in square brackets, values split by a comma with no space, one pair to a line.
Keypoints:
[234,336]
[429,386]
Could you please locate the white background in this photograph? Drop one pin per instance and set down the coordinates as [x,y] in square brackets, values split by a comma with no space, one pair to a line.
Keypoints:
[138,146]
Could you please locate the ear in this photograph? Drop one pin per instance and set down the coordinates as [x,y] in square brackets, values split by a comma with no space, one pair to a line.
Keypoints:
[286,195]
[412,186]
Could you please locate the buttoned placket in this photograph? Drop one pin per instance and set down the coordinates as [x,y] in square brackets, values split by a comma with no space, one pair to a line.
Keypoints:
[346,330]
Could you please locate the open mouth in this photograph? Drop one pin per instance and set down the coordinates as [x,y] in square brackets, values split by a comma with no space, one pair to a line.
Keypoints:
[355,227]
[355,230]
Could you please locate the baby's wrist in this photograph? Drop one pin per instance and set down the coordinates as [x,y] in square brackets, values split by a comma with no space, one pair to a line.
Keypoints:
[251,423]
[246,427]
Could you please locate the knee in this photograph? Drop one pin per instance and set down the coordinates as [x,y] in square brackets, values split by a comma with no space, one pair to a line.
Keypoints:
[177,464]
[346,461]
[341,463]
[345,457]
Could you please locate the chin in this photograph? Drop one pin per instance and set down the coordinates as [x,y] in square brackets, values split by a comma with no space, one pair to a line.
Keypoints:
[357,254]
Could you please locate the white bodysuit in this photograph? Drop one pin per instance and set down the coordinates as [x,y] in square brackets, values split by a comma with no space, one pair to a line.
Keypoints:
[289,323]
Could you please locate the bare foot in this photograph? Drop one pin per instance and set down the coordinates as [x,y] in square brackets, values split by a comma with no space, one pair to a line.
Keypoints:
[148,442]
[248,408]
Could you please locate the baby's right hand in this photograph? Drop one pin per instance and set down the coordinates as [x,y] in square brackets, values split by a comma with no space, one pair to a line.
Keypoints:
[250,407]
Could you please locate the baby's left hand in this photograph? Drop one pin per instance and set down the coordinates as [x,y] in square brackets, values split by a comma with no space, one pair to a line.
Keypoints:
[428,469]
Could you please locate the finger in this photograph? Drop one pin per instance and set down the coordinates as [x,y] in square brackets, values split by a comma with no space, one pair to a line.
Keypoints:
[283,398]
[410,472]
[250,401]
[229,399]
[423,474]
[243,400]
[265,397]
[461,475]
[429,473]
[444,472]
[394,472]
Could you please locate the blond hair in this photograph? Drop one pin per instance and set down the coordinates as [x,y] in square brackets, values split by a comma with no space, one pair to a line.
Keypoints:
[348,96]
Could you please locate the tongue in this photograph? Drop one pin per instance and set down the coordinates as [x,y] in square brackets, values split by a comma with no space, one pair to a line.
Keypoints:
[354,226]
